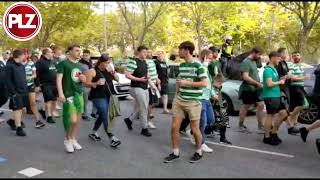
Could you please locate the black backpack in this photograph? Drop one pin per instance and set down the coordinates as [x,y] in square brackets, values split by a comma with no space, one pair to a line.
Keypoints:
[4,95]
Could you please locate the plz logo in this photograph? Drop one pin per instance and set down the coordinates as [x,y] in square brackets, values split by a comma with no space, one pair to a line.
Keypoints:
[22,21]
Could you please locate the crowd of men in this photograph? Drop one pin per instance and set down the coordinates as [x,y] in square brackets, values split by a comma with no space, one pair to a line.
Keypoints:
[73,81]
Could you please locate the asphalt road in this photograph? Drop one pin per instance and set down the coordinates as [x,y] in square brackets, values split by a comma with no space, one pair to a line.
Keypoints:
[141,157]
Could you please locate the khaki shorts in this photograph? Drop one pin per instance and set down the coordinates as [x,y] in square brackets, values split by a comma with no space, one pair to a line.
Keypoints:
[180,108]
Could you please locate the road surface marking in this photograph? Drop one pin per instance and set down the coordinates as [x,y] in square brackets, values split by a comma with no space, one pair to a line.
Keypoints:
[30,172]
[248,149]
[2,159]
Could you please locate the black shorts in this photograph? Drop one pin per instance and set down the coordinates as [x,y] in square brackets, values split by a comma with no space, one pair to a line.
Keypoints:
[50,92]
[164,89]
[250,97]
[297,95]
[31,89]
[316,100]
[153,99]
[274,105]
[18,101]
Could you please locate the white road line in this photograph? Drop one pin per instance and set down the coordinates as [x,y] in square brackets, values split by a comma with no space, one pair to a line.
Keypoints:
[248,149]
[30,172]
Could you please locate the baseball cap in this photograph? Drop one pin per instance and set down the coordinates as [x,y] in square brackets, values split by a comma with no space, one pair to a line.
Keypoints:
[104,57]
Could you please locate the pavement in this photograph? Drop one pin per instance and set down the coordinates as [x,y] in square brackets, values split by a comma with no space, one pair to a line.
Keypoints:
[41,153]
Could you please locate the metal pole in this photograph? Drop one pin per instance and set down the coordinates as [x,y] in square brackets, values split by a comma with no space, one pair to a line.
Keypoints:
[105,27]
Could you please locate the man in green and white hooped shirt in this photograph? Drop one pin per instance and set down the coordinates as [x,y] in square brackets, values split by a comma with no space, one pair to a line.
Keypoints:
[296,89]
[189,88]
[154,86]
[271,95]
[31,75]
[69,84]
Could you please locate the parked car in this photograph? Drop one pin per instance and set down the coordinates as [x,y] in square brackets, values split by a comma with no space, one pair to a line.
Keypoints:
[230,89]
[123,86]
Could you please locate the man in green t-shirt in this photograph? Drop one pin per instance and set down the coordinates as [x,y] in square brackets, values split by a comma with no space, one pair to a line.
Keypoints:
[69,79]
[271,95]
[189,88]
[250,90]
[296,89]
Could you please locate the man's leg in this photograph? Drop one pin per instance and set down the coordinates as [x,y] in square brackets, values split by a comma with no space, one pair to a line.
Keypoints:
[48,108]
[281,116]
[268,125]
[142,98]
[17,115]
[165,103]
[259,113]
[33,106]
[175,136]
[295,114]
[242,115]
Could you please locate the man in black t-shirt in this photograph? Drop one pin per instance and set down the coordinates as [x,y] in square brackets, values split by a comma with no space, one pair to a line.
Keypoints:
[162,70]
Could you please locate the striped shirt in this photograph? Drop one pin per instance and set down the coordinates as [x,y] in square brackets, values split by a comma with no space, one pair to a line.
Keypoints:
[132,66]
[30,67]
[195,72]
[296,70]
[152,70]
[208,92]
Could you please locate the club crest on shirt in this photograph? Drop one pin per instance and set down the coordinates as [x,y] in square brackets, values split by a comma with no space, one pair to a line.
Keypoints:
[192,72]
[75,74]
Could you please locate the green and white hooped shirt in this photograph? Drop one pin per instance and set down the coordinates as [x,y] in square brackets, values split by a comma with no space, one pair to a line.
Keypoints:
[195,72]
[296,70]
[30,67]
[152,70]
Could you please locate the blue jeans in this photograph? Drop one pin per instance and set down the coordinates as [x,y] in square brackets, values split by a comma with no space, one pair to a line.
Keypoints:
[207,117]
[101,105]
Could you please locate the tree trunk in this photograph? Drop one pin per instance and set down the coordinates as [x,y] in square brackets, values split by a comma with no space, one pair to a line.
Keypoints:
[303,40]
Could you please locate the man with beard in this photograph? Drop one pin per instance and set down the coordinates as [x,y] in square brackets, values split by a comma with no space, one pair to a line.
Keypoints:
[250,89]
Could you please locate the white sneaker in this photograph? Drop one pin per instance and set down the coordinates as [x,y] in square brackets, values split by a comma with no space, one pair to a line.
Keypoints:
[76,145]
[55,114]
[69,146]
[191,137]
[206,149]
[151,125]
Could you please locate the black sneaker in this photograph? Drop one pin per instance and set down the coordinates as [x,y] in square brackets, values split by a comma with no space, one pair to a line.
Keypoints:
[270,141]
[20,132]
[151,116]
[293,131]
[42,113]
[146,132]
[318,145]
[50,120]
[85,118]
[115,142]
[170,158]
[39,124]
[128,123]
[225,141]
[275,137]
[195,158]
[12,125]
[94,137]
[93,115]
[304,134]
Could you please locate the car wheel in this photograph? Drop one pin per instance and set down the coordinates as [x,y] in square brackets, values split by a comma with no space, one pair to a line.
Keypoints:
[227,104]
[310,115]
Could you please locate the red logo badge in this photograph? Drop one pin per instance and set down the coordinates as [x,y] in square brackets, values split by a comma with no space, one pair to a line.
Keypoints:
[22,21]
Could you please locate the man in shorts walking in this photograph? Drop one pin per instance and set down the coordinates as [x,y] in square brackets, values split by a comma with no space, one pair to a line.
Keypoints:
[272,98]
[69,84]
[250,89]
[18,90]
[189,87]
[297,93]
[46,72]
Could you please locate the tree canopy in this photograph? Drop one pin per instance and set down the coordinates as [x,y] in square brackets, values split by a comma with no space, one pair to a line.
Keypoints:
[270,25]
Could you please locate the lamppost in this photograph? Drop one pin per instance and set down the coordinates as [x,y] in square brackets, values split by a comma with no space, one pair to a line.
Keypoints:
[105,27]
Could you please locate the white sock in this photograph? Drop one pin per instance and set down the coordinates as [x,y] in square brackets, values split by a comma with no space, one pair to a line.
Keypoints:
[199,151]
[176,151]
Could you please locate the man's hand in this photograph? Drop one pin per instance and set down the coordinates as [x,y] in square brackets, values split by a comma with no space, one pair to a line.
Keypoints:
[260,86]
[61,98]
[183,82]
[82,78]
[215,97]
[282,81]
[143,79]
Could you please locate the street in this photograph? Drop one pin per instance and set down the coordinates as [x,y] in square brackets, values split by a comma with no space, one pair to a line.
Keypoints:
[141,157]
